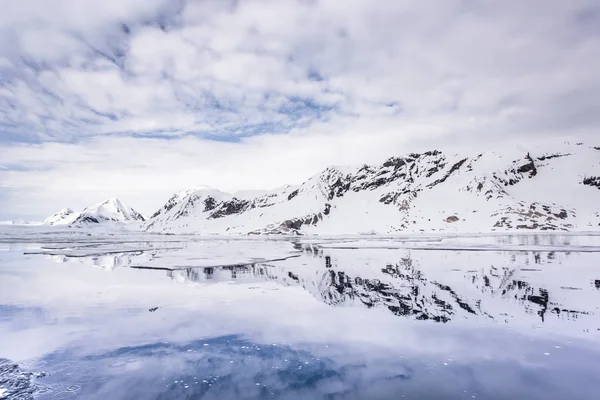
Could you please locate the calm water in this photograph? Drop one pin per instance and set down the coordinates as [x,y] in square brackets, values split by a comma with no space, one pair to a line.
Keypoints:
[512,317]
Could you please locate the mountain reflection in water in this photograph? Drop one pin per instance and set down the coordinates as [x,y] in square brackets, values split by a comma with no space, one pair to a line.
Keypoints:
[422,285]
[389,322]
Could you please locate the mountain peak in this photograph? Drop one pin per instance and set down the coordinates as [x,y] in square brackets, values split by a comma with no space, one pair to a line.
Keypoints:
[111,209]
[63,217]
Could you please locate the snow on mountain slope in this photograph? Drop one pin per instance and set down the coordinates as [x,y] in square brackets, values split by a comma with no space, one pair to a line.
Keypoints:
[110,210]
[543,188]
[176,198]
[63,217]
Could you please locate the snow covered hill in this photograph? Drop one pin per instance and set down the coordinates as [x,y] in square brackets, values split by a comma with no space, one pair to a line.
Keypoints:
[110,210]
[63,217]
[543,188]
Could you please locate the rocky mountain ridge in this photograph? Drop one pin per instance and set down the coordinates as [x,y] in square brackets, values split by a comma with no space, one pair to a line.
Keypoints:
[543,189]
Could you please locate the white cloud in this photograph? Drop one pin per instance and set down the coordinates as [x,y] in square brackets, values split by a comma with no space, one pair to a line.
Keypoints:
[146,172]
[329,81]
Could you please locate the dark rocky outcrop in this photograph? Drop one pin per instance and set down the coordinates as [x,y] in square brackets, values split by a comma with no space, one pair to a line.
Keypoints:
[293,194]
[593,181]
[528,167]
[233,206]
[338,188]
[514,175]
[453,169]
[209,204]
[395,162]
[551,156]
[86,219]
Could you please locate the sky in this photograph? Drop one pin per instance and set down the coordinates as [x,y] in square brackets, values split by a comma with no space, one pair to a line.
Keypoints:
[141,98]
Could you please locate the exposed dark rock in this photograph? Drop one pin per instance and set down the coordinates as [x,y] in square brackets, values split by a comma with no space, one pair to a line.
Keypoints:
[551,156]
[503,222]
[157,212]
[533,226]
[153,309]
[529,167]
[593,181]
[338,189]
[293,223]
[293,194]
[436,168]
[396,162]
[293,276]
[376,183]
[86,219]
[454,168]
[327,209]
[233,206]
[514,176]
[452,218]
[562,214]
[389,198]
[209,204]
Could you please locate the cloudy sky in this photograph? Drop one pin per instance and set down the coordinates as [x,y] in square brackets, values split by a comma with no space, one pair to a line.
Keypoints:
[141,98]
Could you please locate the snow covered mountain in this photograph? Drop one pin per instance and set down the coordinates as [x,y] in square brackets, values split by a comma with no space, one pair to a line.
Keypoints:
[110,210]
[174,200]
[63,217]
[543,188]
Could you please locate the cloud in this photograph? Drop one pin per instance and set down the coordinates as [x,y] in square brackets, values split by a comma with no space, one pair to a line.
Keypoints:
[166,77]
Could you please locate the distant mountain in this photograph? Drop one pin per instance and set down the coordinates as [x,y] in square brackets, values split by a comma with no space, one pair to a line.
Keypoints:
[110,210]
[63,217]
[542,188]
[20,222]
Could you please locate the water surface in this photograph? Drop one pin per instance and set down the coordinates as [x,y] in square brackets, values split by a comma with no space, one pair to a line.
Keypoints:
[129,317]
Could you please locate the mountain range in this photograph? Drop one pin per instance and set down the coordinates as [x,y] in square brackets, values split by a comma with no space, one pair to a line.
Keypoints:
[542,189]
